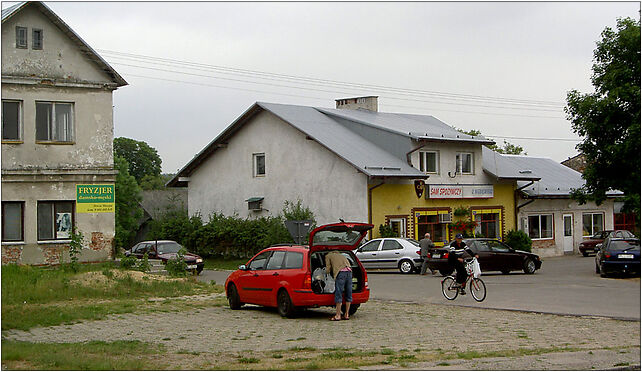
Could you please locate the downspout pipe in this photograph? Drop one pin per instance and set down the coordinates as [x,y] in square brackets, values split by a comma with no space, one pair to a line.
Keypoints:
[370,204]
[517,207]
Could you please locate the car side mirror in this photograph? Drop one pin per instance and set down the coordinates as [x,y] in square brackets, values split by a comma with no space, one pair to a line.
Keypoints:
[242,267]
[127,253]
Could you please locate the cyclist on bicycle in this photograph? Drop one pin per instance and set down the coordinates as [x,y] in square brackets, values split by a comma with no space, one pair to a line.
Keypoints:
[456,260]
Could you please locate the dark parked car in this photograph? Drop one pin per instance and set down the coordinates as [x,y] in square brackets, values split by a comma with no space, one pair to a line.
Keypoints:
[588,246]
[618,256]
[165,250]
[493,256]
[291,277]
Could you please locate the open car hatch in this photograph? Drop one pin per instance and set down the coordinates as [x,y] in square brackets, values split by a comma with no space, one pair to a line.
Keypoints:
[344,236]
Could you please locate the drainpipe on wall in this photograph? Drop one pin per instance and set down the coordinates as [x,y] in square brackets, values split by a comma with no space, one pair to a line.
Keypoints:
[517,207]
[370,204]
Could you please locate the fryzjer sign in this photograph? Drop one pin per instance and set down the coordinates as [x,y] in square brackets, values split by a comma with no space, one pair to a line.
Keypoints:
[459,191]
[95,198]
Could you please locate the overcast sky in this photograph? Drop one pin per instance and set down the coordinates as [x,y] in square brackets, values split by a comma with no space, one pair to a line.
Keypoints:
[532,52]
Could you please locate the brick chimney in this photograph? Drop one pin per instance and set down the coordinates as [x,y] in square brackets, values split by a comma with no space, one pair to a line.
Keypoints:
[367,102]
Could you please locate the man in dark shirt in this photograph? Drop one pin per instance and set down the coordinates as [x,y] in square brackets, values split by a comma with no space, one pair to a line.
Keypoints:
[456,259]
[424,245]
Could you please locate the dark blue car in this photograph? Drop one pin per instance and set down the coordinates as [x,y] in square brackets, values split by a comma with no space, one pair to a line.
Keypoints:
[618,256]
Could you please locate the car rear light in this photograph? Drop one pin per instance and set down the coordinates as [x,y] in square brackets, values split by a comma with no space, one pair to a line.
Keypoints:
[365,276]
[419,252]
[307,281]
[428,255]
[607,255]
[445,255]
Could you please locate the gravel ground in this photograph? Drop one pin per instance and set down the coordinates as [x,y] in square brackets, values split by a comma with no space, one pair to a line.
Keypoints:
[377,324]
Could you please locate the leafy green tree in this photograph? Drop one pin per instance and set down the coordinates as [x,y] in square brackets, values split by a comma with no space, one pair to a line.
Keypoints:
[150,182]
[142,159]
[128,210]
[508,147]
[609,118]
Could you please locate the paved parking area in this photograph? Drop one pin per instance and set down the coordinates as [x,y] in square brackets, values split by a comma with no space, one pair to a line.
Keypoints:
[564,285]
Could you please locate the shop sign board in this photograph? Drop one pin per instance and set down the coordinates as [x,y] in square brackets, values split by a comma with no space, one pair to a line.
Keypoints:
[95,198]
[460,191]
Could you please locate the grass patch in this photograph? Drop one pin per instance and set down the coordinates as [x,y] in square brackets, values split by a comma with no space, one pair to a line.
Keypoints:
[621,364]
[249,360]
[223,264]
[95,355]
[55,296]
[443,364]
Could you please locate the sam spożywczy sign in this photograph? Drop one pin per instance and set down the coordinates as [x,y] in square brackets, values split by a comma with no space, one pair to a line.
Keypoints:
[95,198]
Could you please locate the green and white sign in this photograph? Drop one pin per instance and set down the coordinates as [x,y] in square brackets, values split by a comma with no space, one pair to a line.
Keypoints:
[95,198]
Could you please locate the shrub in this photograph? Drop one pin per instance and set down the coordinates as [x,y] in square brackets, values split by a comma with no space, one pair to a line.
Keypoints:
[143,264]
[177,265]
[386,231]
[75,246]
[519,240]
[128,262]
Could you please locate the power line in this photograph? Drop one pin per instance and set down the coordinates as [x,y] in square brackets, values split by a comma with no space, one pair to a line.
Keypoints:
[319,90]
[316,81]
[323,98]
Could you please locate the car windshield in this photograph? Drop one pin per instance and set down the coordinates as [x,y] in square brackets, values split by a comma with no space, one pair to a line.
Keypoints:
[169,247]
[340,236]
[413,242]
[622,245]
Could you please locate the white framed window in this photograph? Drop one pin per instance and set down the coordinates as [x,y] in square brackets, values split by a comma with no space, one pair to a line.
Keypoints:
[540,226]
[55,220]
[21,37]
[429,161]
[36,38]
[54,121]
[464,161]
[13,221]
[11,120]
[592,223]
[259,164]
[398,225]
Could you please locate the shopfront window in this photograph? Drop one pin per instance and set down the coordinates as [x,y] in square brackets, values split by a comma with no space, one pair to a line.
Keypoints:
[489,223]
[431,222]
[592,223]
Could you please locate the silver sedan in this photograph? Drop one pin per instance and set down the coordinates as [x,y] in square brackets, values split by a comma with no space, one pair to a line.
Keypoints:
[390,253]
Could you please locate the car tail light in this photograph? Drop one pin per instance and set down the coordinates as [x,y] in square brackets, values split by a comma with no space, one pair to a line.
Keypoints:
[419,252]
[445,255]
[365,276]
[428,255]
[607,255]
[307,281]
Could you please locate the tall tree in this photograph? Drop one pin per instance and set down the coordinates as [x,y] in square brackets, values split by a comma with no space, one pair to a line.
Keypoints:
[128,209]
[508,147]
[609,118]
[142,158]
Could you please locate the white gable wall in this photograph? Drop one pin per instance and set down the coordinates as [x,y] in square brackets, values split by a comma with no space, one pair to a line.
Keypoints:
[295,168]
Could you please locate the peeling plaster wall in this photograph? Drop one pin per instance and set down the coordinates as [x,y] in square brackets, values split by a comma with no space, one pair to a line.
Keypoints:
[93,130]
[60,58]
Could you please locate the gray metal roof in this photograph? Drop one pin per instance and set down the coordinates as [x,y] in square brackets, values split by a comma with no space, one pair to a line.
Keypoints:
[356,150]
[424,127]
[551,179]
[91,54]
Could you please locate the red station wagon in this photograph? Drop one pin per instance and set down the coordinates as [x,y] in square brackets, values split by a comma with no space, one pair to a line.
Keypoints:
[282,276]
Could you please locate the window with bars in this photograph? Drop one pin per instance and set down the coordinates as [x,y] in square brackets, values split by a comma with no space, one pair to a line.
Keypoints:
[54,121]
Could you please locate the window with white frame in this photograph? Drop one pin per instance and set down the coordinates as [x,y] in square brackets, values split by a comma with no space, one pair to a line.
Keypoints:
[21,37]
[54,121]
[12,221]
[429,161]
[592,223]
[540,226]
[259,164]
[464,161]
[11,120]
[55,220]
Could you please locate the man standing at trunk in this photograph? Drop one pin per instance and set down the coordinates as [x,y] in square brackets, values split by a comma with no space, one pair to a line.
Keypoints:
[425,244]
[337,265]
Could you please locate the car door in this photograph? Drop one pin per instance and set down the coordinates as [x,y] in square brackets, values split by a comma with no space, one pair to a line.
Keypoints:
[368,254]
[249,285]
[505,257]
[486,257]
[142,249]
[270,278]
[390,254]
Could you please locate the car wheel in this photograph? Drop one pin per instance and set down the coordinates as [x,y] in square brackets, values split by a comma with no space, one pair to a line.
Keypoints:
[446,272]
[406,267]
[529,266]
[353,309]
[199,271]
[233,297]
[284,304]
[585,253]
[505,272]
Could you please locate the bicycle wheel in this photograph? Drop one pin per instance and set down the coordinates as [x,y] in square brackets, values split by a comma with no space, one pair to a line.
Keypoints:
[478,289]
[448,288]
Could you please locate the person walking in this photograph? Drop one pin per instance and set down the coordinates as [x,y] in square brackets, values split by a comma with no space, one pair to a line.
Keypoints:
[425,244]
[337,265]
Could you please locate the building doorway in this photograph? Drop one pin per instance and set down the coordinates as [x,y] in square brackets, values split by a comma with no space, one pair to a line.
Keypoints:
[398,225]
[568,233]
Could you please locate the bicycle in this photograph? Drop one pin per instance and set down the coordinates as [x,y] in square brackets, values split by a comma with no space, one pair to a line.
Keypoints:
[450,288]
